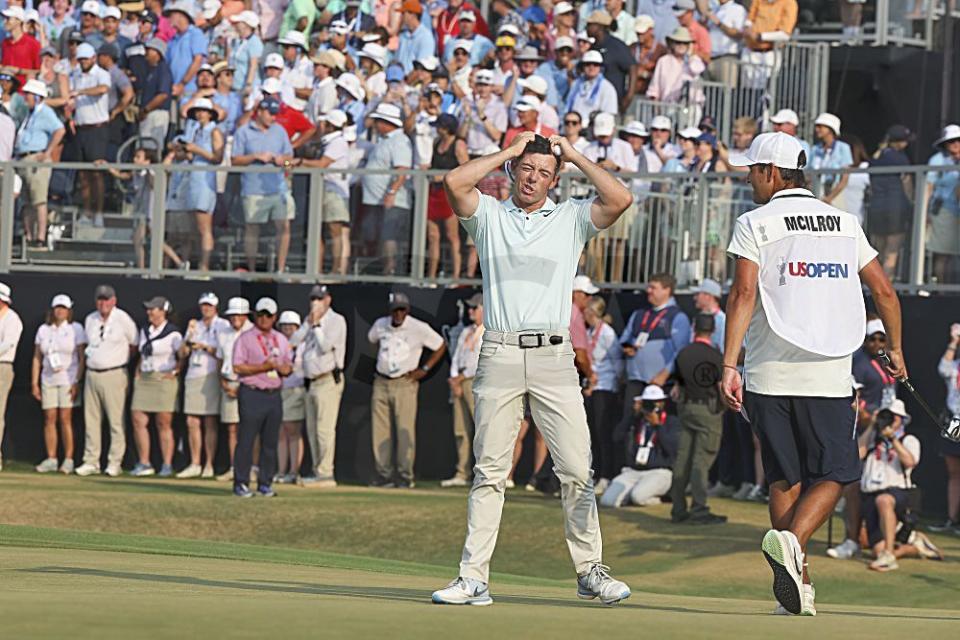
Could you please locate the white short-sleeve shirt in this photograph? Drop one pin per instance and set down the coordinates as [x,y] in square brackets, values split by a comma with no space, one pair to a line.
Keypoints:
[400,347]
[91,109]
[774,366]
[164,356]
[109,341]
[882,468]
[203,363]
[58,345]
[529,260]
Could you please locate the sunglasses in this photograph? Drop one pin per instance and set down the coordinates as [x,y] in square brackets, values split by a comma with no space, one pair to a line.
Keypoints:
[264,314]
[460,53]
[591,64]
[572,123]
[504,48]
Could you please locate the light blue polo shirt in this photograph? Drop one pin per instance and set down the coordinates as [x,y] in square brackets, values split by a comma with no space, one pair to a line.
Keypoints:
[37,130]
[180,53]
[415,45]
[478,51]
[945,183]
[391,151]
[252,139]
[528,260]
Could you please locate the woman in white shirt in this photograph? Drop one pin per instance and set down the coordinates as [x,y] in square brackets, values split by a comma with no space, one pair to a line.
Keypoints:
[155,387]
[603,404]
[201,394]
[58,359]
[294,396]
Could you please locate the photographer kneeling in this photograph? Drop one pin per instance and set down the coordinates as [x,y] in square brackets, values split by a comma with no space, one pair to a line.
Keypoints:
[885,491]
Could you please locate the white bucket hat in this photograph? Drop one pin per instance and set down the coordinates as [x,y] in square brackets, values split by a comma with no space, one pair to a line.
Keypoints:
[388,113]
[830,121]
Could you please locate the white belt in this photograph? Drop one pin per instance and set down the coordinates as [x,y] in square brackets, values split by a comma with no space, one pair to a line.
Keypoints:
[528,339]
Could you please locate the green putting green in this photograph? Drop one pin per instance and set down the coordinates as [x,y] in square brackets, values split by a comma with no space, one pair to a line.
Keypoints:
[95,557]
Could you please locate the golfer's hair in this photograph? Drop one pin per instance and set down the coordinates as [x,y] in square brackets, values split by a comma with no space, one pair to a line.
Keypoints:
[666,280]
[540,145]
[796,178]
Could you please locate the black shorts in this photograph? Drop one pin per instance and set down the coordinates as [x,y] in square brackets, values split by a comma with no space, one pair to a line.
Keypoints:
[870,515]
[89,144]
[805,439]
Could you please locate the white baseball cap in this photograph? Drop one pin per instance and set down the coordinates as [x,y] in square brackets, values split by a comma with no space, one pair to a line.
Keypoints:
[635,128]
[209,298]
[5,292]
[779,149]
[711,287]
[351,84]
[17,13]
[690,133]
[430,63]
[563,41]
[642,23]
[376,52]
[110,12]
[248,18]
[85,50]
[652,393]
[464,44]
[61,300]
[875,326]
[585,284]
[91,7]
[210,8]
[528,103]
[582,35]
[237,307]
[339,27]
[604,124]
[289,317]
[562,8]
[294,39]
[535,83]
[786,116]
[483,76]
[266,304]
[508,29]
[829,120]
[336,117]
[468,15]
[593,56]
[661,122]
[273,61]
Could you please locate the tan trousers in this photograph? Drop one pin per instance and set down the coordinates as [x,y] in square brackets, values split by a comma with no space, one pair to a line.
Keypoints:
[323,407]
[463,427]
[394,404]
[104,393]
[549,380]
[6,381]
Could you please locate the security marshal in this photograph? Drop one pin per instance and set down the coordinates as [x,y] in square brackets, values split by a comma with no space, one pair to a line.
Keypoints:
[797,299]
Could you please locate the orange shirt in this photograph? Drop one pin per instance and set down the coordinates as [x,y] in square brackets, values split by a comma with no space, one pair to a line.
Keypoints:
[772,15]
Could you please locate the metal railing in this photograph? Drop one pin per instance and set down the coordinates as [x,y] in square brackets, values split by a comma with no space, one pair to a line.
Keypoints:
[680,223]
[793,75]
[886,22]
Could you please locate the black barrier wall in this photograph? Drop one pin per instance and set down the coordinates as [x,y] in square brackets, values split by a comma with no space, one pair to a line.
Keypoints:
[926,321]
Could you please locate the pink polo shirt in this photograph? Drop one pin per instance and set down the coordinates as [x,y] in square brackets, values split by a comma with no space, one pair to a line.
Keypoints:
[256,347]
[578,330]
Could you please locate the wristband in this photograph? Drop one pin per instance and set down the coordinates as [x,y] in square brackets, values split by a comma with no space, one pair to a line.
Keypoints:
[730,366]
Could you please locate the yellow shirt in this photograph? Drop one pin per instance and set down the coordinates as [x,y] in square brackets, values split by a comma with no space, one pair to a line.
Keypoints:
[771,15]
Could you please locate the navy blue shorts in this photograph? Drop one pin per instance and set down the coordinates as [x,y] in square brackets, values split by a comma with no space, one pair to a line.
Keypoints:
[805,439]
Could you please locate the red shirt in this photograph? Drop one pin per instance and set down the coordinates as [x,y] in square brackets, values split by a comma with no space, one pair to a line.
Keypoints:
[23,54]
[293,121]
[513,132]
[448,25]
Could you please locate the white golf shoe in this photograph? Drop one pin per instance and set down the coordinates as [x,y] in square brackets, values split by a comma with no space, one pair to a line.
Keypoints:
[464,591]
[782,551]
[598,583]
[48,465]
[190,471]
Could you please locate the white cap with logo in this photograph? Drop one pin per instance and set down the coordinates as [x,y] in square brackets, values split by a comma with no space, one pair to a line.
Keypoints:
[61,300]
[875,326]
[779,149]
[604,124]
[209,298]
[289,317]
[651,393]
[585,284]
[266,304]
[237,307]
[786,116]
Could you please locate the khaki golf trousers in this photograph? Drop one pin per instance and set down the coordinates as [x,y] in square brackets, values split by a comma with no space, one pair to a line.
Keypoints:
[463,427]
[6,382]
[546,375]
[394,404]
[105,392]
[323,408]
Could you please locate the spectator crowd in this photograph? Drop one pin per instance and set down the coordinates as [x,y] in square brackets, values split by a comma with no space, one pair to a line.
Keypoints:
[274,381]
[394,85]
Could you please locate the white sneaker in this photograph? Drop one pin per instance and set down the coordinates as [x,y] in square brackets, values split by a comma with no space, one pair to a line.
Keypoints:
[756,494]
[87,469]
[743,491]
[455,481]
[885,562]
[114,470]
[98,221]
[721,490]
[532,488]
[841,505]
[510,484]
[601,486]
[809,608]
[845,550]
[597,582]
[226,476]
[207,473]
[925,547]
[464,591]
[67,466]
[190,471]
[48,465]
[782,551]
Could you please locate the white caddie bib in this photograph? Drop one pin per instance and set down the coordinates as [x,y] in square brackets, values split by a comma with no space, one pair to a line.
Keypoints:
[809,281]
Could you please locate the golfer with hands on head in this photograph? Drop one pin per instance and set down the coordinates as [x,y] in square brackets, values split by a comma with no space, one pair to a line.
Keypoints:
[528,248]
[797,298]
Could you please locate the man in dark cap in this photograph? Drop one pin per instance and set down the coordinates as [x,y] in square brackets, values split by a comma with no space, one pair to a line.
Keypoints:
[112,337]
[323,335]
[698,368]
[401,340]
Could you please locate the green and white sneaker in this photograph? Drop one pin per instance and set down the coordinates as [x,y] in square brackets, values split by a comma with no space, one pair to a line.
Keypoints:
[809,609]
[598,583]
[783,554]
[464,591]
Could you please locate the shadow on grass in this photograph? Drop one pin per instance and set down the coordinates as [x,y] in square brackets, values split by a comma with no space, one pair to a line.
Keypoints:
[148,486]
[693,540]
